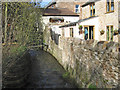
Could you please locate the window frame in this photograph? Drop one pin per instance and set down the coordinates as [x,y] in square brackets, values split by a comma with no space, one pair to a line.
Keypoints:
[71,32]
[110,33]
[88,26]
[110,1]
[77,8]
[92,4]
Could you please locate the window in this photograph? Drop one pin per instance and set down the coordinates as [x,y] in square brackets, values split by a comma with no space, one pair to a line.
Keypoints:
[77,8]
[88,32]
[52,6]
[56,20]
[109,33]
[92,9]
[71,32]
[110,5]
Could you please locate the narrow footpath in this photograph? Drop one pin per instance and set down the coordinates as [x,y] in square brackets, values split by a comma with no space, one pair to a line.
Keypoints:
[46,72]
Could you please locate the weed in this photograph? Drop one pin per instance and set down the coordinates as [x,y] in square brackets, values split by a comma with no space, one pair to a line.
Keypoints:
[66,75]
[92,87]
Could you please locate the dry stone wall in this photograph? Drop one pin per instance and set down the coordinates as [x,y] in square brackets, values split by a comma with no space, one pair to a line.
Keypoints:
[90,63]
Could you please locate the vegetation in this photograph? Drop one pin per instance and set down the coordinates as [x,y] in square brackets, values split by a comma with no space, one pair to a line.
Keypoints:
[102,32]
[92,87]
[66,75]
[80,27]
[22,25]
[115,31]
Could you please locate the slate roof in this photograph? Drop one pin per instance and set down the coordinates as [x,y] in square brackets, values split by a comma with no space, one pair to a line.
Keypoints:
[59,12]
[50,4]
[74,23]
[89,2]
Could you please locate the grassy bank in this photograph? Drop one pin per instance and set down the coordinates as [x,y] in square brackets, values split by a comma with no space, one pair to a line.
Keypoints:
[15,66]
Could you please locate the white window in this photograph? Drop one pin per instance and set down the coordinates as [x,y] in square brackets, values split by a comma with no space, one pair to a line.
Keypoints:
[77,8]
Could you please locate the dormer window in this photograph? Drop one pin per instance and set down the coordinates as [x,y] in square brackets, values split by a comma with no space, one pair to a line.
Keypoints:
[110,6]
[52,6]
[92,9]
[77,8]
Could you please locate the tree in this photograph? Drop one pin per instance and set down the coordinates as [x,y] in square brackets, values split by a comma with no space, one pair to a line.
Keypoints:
[5,33]
[25,23]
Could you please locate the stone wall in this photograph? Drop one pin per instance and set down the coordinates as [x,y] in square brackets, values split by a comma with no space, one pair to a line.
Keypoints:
[90,63]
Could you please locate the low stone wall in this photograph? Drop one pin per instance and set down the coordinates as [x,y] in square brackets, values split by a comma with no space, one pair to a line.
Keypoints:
[16,72]
[90,63]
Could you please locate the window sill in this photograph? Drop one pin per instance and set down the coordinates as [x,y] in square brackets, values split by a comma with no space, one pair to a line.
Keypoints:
[77,12]
[109,12]
[92,16]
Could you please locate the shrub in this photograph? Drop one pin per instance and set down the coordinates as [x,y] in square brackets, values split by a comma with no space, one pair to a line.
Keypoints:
[92,86]
[80,27]
[66,75]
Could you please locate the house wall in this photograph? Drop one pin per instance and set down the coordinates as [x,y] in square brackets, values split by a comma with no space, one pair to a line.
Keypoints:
[85,12]
[66,32]
[66,18]
[92,22]
[119,13]
[75,32]
[56,29]
[104,19]
[107,18]
[119,19]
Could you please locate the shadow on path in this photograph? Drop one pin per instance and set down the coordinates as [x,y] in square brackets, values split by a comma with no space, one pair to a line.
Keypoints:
[46,72]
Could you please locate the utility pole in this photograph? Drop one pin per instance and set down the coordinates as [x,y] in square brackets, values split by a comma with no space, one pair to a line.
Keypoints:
[5,33]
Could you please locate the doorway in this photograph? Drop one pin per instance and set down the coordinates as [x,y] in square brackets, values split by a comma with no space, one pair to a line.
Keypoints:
[88,32]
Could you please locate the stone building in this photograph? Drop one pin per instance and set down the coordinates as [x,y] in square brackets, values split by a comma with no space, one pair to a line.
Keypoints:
[59,13]
[100,21]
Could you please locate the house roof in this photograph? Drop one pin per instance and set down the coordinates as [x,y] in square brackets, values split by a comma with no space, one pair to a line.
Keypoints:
[70,24]
[89,2]
[50,4]
[59,12]
[74,23]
